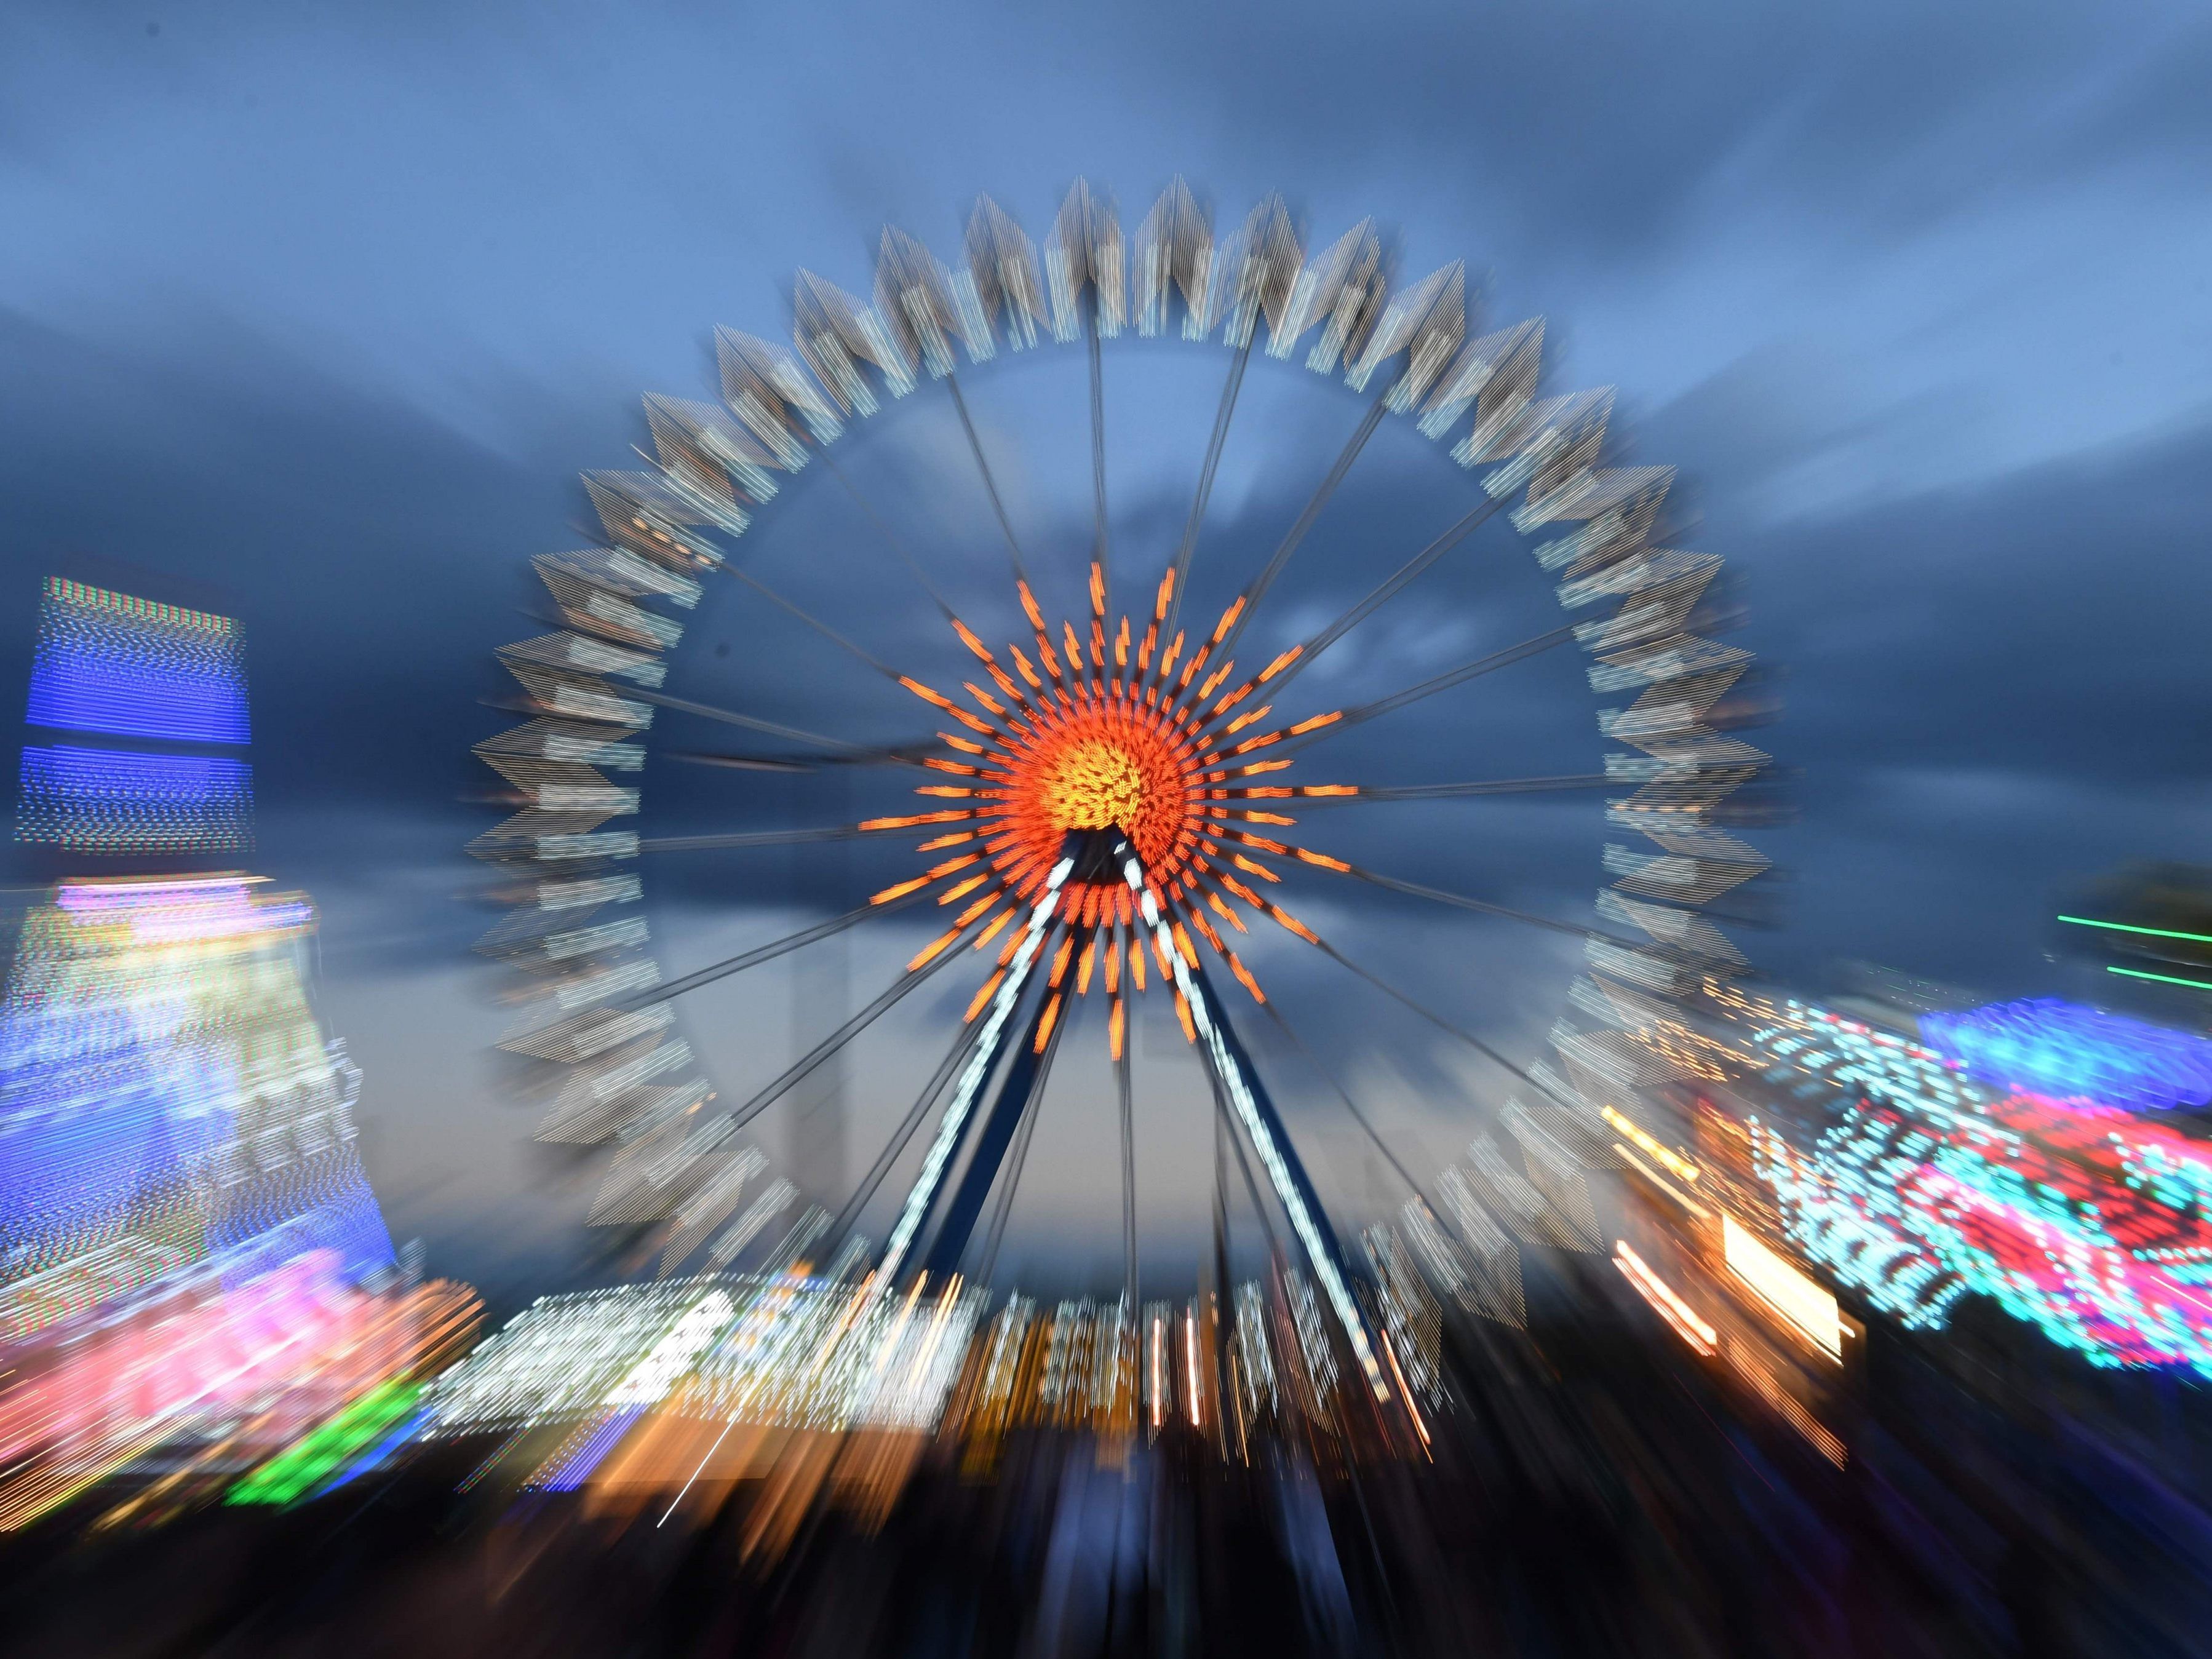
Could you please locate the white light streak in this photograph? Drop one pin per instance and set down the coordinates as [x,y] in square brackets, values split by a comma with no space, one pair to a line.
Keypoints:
[971,1081]
[1302,1221]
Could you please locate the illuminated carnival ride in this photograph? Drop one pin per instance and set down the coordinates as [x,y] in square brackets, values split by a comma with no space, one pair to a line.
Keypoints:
[193,1271]
[1112,805]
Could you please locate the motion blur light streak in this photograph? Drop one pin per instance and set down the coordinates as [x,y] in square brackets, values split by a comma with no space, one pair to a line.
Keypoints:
[193,1267]
[2162,979]
[1666,1301]
[2125,927]
[2067,1051]
[113,801]
[1915,1186]
[108,662]
[1808,1308]
[308,1463]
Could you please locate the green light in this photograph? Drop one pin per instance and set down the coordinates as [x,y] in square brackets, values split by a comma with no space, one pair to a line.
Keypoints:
[2163,978]
[2155,932]
[307,1462]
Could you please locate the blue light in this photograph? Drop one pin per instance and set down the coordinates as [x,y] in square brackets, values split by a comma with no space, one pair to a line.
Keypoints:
[141,1137]
[575,1468]
[121,802]
[2060,1049]
[108,662]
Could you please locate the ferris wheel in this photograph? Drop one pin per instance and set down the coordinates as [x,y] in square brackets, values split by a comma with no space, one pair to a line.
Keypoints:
[1112,792]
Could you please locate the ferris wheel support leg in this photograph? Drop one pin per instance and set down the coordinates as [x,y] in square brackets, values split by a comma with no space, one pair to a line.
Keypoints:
[1017,1090]
[1232,1068]
[990,1049]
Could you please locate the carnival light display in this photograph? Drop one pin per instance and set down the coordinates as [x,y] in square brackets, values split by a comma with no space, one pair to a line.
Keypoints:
[1099,726]
[167,1095]
[120,802]
[192,1267]
[199,1373]
[660,1386]
[1913,1185]
[116,665]
[2068,1052]
[109,662]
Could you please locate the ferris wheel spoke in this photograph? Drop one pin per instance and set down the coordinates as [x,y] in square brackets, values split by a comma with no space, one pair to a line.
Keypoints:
[849,1213]
[1129,1169]
[1227,1132]
[735,841]
[1459,676]
[1017,1159]
[746,763]
[890,537]
[769,953]
[1257,589]
[1336,1088]
[1292,662]
[990,483]
[800,1069]
[1443,1215]
[1568,784]
[1189,549]
[907,754]
[1434,1018]
[814,623]
[749,723]
[1461,902]
[1098,533]
[1317,730]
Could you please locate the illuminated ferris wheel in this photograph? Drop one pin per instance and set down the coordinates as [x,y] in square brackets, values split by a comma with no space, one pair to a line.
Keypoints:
[1106,787]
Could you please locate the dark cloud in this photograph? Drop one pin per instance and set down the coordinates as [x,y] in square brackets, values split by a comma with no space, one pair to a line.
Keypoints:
[328,311]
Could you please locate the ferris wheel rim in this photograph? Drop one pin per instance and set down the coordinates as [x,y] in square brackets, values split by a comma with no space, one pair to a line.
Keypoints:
[842,395]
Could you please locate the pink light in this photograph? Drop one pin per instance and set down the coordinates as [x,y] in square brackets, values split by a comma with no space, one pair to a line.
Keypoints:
[172,912]
[205,1353]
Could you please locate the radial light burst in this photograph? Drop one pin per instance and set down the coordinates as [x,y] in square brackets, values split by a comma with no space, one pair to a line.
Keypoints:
[1116,796]
[1097,736]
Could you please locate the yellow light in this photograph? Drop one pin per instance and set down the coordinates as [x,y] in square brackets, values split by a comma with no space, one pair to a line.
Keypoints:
[1682,1167]
[1097,785]
[1665,1302]
[1190,1368]
[1796,1299]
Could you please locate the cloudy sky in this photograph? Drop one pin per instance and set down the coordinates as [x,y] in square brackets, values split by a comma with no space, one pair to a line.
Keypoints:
[321,309]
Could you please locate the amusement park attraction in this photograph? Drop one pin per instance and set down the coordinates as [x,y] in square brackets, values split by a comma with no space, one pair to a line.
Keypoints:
[1116,803]
[195,1270]
[1741,1252]
[1125,793]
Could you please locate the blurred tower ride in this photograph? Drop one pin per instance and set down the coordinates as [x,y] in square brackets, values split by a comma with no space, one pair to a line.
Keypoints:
[170,1109]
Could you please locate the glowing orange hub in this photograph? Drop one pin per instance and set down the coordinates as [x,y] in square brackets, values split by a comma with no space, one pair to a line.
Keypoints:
[1099,763]
[1105,738]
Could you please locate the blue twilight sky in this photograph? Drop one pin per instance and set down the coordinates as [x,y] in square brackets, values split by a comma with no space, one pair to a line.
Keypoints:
[321,309]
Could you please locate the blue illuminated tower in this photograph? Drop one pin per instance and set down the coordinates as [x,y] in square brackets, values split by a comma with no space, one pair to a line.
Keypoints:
[147,702]
[169,1104]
